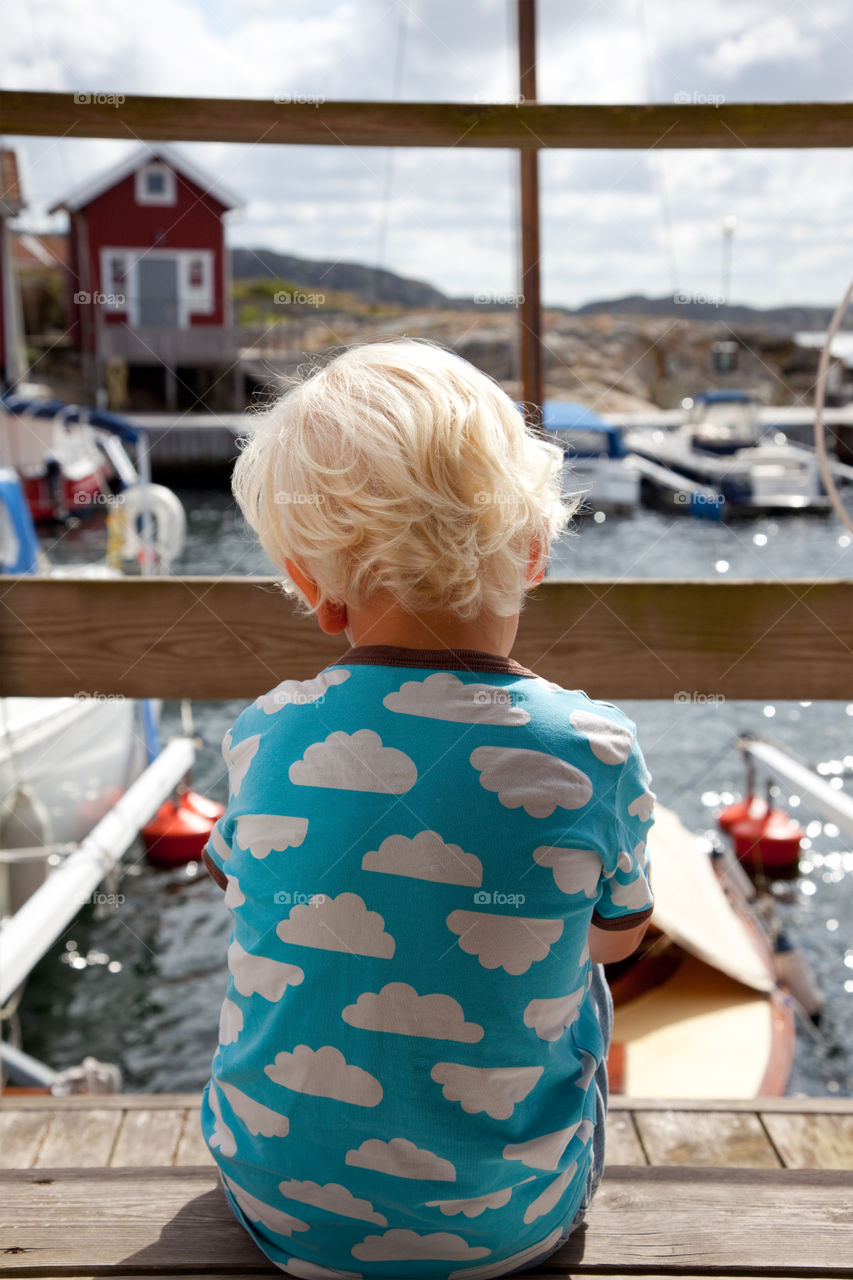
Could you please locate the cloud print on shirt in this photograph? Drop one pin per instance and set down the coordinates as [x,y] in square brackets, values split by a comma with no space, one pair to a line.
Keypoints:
[443,696]
[222,1137]
[257,1118]
[218,843]
[230,1021]
[260,833]
[300,692]
[355,762]
[512,943]
[425,857]
[551,1195]
[508,1264]
[643,806]
[631,896]
[234,895]
[402,1159]
[575,870]
[237,759]
[400,1245]
[283,1224]
[610,742]
[534,781]
[474,1205]
[334,1198]
[550,1018]
[398,1008]
[495,1090]
[325,1073]
[544,1152]
[258,974]
[338,924]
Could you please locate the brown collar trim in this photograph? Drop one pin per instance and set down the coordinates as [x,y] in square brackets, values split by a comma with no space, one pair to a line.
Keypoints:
[391,655]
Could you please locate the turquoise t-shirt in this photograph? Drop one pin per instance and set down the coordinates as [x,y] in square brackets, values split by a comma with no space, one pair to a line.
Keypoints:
[415,845]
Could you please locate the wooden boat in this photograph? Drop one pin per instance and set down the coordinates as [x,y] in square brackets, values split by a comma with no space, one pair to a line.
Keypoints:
[700,1012]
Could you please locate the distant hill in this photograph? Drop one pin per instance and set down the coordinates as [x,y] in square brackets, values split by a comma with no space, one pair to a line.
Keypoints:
[373,284]
[370,284]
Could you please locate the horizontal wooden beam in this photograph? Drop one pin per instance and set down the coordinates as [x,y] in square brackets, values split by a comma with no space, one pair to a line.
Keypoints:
[695,122]
[219,638]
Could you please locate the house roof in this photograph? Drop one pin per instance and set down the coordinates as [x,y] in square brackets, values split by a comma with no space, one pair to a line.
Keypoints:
[11,197]
[94,187]
[35,252]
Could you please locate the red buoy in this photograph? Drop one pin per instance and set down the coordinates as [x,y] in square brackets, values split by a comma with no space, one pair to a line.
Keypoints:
[768,841]
[749,807]
[179,830]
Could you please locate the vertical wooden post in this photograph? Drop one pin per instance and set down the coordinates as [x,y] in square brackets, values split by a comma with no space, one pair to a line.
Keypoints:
[530,308]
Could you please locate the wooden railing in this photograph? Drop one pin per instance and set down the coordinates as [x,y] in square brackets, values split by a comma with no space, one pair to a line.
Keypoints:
[216,638]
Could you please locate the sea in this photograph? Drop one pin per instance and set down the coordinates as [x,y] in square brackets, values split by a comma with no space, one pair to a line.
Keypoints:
[138,981]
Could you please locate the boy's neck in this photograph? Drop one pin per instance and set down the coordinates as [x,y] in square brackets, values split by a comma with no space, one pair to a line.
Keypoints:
[387,622]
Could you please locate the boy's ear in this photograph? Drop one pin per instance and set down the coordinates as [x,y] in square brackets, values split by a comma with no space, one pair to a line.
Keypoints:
[536,575]
[331,618]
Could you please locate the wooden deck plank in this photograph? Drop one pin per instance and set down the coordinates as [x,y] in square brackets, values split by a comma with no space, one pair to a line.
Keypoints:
[79,1139]
[21,1135]
[623,1145]
[644,1221]
[148,1138]
[192,1148]
[693,1138]
[812,1141]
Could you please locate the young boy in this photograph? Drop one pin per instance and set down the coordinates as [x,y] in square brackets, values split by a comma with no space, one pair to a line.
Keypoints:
[428,849]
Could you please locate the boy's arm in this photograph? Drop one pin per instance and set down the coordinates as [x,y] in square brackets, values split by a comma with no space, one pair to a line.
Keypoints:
[606,946]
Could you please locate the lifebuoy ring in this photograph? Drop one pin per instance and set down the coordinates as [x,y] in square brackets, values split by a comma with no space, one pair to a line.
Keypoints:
[168,532]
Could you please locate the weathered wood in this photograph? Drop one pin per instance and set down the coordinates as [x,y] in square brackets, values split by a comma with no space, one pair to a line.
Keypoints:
[206,637]
[693,1138]
[812,1141]
[657,1222]
[623,1145]
[192,1148]
[21,1135]
[79,1139]
[429,124]
[796,1104]
[148,1138]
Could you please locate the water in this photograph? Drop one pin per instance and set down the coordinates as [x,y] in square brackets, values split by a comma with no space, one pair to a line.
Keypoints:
[141,985]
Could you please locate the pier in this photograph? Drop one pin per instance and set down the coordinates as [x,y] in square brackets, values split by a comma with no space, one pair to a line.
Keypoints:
[123,1185]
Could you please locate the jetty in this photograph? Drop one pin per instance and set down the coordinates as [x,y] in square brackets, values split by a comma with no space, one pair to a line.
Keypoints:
[123,1185]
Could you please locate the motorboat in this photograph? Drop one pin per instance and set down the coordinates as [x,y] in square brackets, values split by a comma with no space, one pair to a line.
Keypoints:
[595,454]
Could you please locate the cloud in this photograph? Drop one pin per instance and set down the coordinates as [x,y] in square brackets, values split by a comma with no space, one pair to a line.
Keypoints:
[778,40]
[587,1070]
[493,1269]
[425,857]
[402,1159]
[234,895]
[610,742]
[631,896]
[443,696]
[400,1244]
[230,1022]
[257,1118]
[338,924]
[218,843]
[258,974]
[260,833]
[550,1018]
[300,692]
[334,1198]
[543,1152]
[325,1073]
[575,870]
[237,759]
[355,762]
[222,1137]
[551,1195]
[512,943]
[535,781]
[276,1220]
[399,1008]
[643,806]
[495,1090]
[473,1207]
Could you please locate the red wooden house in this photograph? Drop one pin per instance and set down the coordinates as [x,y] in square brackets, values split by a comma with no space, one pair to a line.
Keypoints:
[149,267]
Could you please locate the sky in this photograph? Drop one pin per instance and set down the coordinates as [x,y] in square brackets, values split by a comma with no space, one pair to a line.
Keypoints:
[613,222]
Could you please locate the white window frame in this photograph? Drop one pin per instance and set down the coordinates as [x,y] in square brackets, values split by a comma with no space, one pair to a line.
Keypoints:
[191,302]
[167,196]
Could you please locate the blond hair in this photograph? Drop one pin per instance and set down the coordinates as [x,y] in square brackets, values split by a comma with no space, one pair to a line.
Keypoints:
[400,467]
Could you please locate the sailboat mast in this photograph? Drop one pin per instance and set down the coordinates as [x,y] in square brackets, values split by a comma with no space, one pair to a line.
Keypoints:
[530,308]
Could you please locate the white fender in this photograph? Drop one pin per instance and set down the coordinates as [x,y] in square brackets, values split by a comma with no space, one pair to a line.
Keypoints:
[168,523]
